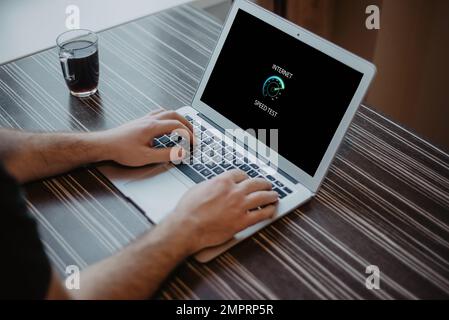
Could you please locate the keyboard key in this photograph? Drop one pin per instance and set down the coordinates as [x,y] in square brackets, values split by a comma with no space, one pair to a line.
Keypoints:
[203,128]
[170,144]
[271,178]
[211,176]
[279,184]
[287,190]
[245,167]
[205,172]
[214,146]
[208,140]
[252,174]
[189,118]
[229,157]
[225,164]
[196,161]
[198,167]
[230,168]
[211,165]
[192,174]
[218,170]
[280,193]
[217,158]
[254,166]
[210,153]
[164,139]
[156,143]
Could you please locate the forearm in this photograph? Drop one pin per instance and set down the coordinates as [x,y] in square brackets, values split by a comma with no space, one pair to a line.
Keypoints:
[30,156]
[138,270]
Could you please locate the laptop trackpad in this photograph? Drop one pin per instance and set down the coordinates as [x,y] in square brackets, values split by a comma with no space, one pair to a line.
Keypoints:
[156,193]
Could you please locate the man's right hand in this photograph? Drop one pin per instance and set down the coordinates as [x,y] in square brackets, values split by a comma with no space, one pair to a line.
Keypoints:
[212,212]
[207,215]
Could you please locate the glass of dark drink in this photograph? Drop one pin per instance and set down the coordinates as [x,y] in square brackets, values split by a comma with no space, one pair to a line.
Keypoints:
[78,54]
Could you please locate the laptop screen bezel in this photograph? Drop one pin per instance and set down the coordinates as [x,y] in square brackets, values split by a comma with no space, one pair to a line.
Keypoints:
[366,68]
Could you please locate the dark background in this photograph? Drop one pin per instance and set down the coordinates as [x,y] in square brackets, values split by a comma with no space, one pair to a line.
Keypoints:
[312,104]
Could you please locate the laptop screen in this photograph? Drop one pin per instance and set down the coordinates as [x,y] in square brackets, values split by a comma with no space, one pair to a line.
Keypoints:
[267,79]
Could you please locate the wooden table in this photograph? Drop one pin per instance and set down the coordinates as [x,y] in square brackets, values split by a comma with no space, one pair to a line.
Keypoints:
[385,201]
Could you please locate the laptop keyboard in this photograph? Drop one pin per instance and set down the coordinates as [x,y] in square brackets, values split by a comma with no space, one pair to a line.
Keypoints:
[212,156]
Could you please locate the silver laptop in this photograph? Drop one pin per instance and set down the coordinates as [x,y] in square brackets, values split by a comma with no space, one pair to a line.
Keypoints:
[297,92]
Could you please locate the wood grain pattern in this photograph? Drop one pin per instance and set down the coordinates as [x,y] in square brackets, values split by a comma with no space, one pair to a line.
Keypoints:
[385,201]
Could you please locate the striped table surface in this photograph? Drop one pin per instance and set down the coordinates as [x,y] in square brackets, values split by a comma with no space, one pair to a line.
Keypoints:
[385,201]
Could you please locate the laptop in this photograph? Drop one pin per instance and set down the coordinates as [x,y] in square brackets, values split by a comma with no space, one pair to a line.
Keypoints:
[296,91]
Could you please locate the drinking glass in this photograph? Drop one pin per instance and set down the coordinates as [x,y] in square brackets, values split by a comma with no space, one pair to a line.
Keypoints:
[78,55]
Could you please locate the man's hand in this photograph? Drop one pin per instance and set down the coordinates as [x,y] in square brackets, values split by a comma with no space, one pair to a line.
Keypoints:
[212,212]
[28,156]
[208,215]
[132,143]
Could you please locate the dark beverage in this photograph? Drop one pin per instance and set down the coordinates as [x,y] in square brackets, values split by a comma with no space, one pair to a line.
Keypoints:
[82,66]
[78,54]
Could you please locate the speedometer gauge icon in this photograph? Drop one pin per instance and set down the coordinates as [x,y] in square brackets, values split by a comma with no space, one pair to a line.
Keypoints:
[273,87]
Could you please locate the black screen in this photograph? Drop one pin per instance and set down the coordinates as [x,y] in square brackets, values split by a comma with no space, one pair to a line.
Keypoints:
[267,79]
